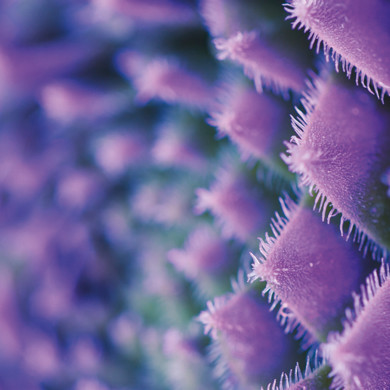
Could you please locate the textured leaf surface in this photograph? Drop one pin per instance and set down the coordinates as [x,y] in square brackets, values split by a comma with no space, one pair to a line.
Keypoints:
[268,65]
[360,356]
[311,270]
[356,31]
[252,345]
[343,150]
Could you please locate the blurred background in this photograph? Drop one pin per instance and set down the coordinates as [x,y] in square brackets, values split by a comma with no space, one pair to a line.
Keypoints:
[109,167]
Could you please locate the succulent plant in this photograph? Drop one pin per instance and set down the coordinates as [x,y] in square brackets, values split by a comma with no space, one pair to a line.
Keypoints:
[194,194]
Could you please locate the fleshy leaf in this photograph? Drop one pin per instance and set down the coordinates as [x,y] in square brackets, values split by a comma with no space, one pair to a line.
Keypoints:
[342,151]
[253,121]
[79,189]
[267,64]
[249,345]
[67,101]
[175,148]
[360,356]
[163,202]
[354,32]
[217,17]
[115,152]
[241,209]
[204,253]
[165,79]
[304,259]
[224,18]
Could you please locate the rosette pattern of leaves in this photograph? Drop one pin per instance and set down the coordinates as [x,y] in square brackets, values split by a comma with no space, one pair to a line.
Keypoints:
[194,194]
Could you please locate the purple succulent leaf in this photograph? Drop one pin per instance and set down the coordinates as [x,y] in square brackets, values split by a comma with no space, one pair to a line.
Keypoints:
[41,355]
[269,66]
[67,101]
[53,296]
[204,253]
[354,33]
[157,280]
[119,150]
[79,189]
[177,149]
[85,354]
[177,343]
[241,209]
[359,356]
[254,122]
[84,189]
[342,150]
[248,343]
[224,18]
[166,80]
[300,262]
[216,17]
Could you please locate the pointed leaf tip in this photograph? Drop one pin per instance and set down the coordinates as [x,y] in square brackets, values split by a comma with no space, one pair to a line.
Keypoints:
[300,264]
[355,33]
[342,149]
[249,343]
[240,208]
[359,356]
[269,66]
[254,122]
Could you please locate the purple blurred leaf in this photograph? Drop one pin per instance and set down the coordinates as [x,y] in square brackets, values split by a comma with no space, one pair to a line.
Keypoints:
[204,253]
[246,353]
[269,66]
[239,207]
[253,121]
[166,80]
